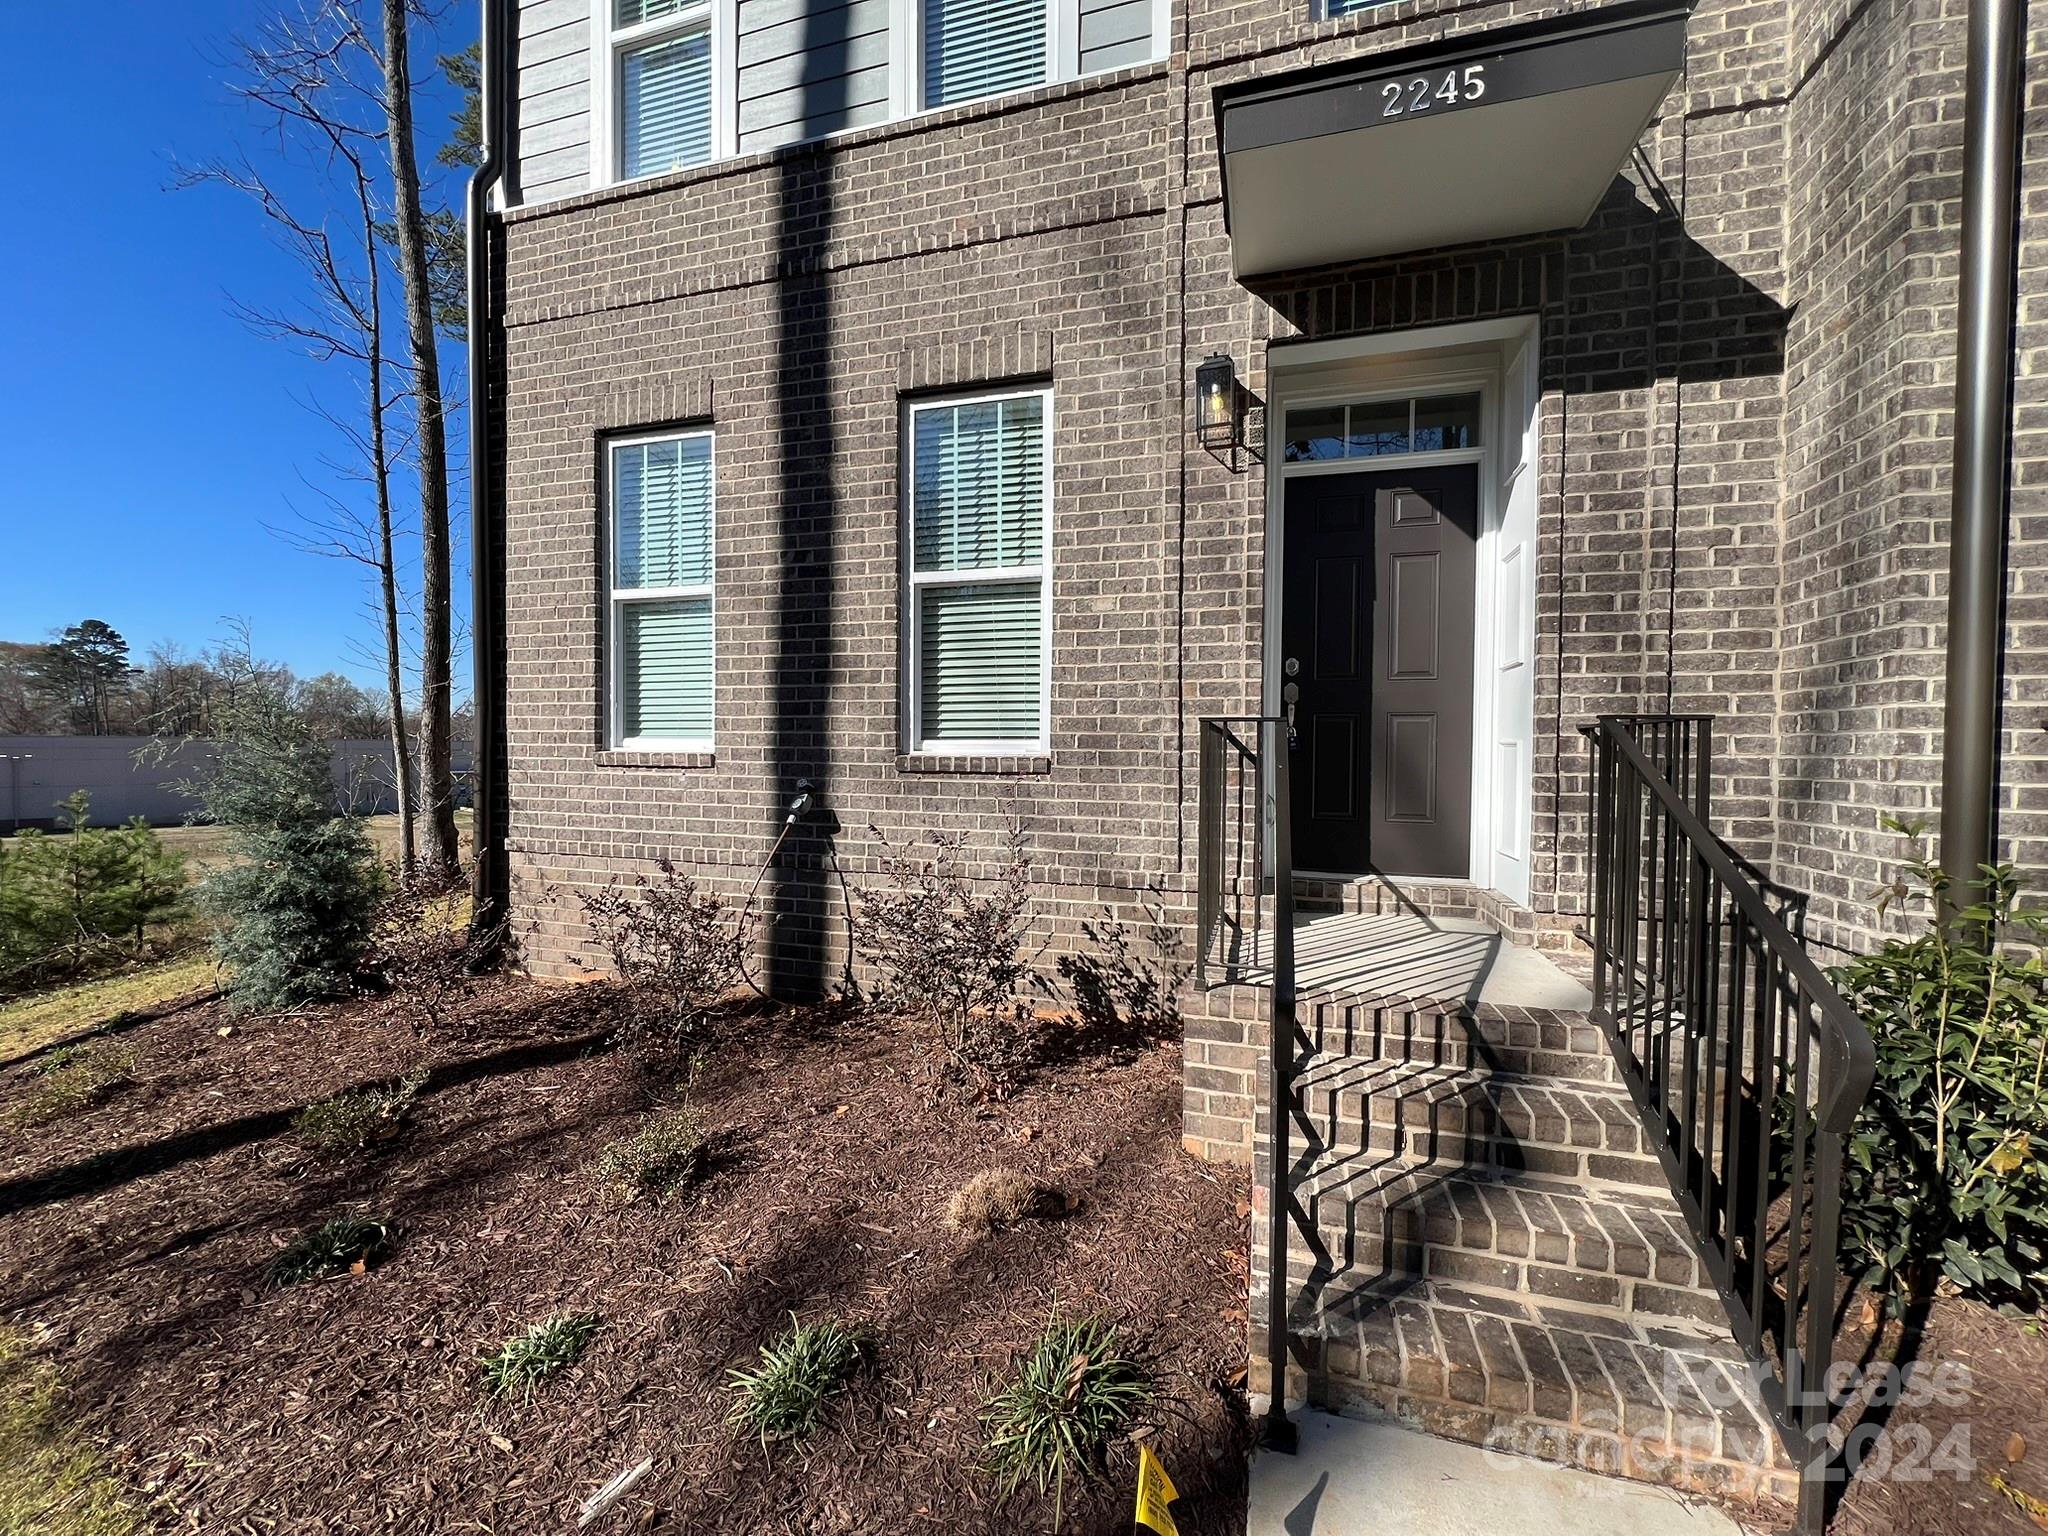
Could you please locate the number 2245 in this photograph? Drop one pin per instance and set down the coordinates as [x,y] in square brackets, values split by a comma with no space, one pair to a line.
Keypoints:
[1398,98]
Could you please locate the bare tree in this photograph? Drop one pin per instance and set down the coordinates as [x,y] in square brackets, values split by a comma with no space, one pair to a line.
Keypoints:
[298,74]
[432,448]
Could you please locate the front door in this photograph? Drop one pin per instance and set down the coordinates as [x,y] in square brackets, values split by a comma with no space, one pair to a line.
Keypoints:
[1376,625]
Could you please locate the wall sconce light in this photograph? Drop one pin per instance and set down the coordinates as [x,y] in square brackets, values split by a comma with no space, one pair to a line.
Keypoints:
[1219,405]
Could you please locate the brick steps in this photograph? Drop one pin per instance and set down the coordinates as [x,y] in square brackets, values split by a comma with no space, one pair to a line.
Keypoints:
[1552,1045]
[1452,1116]
[1611,1395]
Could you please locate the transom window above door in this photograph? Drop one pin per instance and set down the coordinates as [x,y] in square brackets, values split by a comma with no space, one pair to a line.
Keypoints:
[1370,429]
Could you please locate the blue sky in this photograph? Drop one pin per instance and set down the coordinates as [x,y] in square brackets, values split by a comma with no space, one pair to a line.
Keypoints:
[148,435]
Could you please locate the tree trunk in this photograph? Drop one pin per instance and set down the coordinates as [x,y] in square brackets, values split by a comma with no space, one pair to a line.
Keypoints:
[387,560]
[435,702]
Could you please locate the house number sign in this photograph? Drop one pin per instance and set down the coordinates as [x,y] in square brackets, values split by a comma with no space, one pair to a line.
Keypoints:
[1455,87]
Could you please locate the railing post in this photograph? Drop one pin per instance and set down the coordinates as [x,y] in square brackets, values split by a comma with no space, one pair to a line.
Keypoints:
[1279,1429]
[1208,848]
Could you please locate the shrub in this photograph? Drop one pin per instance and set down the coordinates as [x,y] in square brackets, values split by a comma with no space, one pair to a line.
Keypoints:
[1947,1167]
[75,1078]
[295,912]
[330,1248]
[524,1361]
[355,1121]
[426,951]
[1071,1393]
[665,1154]
[669,941]
[1002,1197]
[75,899]
[949,955]
[784,1396]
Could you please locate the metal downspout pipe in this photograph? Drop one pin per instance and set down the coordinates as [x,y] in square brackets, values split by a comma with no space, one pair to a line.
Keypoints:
[1980,490]
[490,887]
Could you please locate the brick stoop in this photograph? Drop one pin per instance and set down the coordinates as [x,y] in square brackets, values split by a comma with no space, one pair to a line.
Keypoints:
[1486,1249]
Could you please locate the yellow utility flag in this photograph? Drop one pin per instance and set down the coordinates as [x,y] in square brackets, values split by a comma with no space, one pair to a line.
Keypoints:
[1155,1492]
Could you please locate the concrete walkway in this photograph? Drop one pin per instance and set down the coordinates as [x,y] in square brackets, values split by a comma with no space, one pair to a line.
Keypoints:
[1358,1479]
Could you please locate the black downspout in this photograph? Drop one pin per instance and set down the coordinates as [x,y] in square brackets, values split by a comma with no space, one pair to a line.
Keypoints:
[490,885]
[1980,483]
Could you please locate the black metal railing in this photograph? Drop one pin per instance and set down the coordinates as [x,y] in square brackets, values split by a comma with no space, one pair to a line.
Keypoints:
[1747,1066]
[1244,930]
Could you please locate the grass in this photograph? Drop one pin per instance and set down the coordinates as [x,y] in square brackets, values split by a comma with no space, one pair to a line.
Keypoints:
[1073,1391]
[356,1121]
[206,848]
[523,1362]
[330,1248]
[661,1157]
[53,1481]
[783,1397]
[31,1022]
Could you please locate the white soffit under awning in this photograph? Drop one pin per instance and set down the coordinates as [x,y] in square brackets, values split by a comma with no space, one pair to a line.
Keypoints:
[1513,132]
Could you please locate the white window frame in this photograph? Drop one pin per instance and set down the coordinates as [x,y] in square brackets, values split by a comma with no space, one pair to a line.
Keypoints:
[718,20]
[618,599]
[915,583]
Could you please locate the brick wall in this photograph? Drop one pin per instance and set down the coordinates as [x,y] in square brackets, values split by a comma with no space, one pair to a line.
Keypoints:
[1741,473]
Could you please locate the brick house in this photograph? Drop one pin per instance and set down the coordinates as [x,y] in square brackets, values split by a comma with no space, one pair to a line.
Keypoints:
[845,366]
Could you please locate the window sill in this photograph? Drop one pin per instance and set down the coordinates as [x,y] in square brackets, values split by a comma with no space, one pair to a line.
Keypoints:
[639,757]
[1013,765]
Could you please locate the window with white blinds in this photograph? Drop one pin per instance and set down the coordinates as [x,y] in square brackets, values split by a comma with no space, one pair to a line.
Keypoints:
[978,531]
[662,76]
[661,609]
[976,48]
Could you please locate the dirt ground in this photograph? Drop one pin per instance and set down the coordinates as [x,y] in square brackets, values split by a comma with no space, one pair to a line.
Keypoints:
[138,1233]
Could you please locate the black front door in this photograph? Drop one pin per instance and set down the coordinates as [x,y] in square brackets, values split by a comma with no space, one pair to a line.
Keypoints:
[1376,623]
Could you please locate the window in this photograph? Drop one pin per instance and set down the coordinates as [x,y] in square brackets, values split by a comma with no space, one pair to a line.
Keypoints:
[661,74]
[978,530]
[660,495]
[976,48]
[1367,429]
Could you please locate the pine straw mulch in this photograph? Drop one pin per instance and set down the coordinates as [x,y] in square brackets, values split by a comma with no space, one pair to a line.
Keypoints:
[137,1235]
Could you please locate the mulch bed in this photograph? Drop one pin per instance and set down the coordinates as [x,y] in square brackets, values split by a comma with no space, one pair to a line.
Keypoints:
[137,1236]
[1974,1409]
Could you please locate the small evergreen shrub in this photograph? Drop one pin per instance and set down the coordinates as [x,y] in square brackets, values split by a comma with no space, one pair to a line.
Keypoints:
[294,913]
[1946,1178]
[330,1248]
[951,954]
[76,900]
[351,1123]
[665,1154]
[74,1079]
[523,1362]
[784,1396]
[1069,1395]
[674,944]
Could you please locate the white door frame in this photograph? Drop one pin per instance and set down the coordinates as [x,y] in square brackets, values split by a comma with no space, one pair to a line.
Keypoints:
[1451,358]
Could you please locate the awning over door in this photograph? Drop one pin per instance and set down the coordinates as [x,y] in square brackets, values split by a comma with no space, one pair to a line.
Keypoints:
[1514,132]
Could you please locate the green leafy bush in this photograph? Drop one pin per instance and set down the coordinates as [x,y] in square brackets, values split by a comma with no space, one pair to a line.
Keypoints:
[330,1248]
[72,900]
[295,912]
[662,1156]
[1073,1391]
[353,1122]
[784,1396]
[1947,1168]
[522,1363]
[74,1079]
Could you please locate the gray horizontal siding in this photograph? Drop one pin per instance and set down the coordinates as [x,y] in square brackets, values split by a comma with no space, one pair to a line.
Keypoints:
[1115,33]
[808,67]
[553,145]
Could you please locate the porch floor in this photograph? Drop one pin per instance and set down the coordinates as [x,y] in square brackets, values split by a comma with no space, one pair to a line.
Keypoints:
[1402,955]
